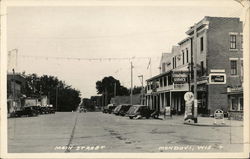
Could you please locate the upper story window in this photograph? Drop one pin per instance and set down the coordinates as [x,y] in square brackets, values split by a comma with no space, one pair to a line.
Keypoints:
[201,44]
[232,41]
[233,67]
[165,81]
[241,41]
[187,54]
[202,68]
[163,67]
[161,82]
[173,63]
[183,57]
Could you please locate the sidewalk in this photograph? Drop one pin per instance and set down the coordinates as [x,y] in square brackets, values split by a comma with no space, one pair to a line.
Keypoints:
[209,121]
[205,121]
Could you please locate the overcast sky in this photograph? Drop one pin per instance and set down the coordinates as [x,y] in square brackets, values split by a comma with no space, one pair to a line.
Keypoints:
[89,32]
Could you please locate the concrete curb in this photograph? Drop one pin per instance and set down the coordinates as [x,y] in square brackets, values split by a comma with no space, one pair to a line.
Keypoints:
[212,125]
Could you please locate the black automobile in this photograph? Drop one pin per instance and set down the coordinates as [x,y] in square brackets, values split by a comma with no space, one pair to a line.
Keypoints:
[116,110]
[27,111]
[51,110]
[122,110]
[38,109]
[45,110]
[139,111]
[111,108]
[105,109]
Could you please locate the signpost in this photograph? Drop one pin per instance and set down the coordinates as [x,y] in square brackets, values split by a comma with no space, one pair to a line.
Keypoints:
[167,112]
[219,116]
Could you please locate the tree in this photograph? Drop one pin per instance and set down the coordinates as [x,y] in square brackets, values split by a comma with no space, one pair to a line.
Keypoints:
[137,90]
[68,98]
[107,86]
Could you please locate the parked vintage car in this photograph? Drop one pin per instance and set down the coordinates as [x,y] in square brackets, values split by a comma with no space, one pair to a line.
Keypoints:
[122,109]
[138,111]
[116,110]
[111,108]
[105,109]
[27,111]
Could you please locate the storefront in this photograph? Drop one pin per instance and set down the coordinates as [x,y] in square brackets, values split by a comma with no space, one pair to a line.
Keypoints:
[235,103]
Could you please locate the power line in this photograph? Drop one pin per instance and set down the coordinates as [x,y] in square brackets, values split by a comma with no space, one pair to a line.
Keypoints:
[88,59]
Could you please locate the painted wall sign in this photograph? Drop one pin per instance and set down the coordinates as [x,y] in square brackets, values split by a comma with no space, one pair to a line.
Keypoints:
[179,79]
[217,78]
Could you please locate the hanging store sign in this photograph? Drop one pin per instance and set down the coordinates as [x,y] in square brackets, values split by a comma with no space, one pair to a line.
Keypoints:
[217,78]
[179,77]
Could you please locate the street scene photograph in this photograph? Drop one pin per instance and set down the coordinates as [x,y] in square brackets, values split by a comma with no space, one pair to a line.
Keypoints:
[164,77]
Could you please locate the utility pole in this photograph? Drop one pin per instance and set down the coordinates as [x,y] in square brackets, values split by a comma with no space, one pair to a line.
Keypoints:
[195,44]
[142,90]
[131,90]
[56,96]
[14,89]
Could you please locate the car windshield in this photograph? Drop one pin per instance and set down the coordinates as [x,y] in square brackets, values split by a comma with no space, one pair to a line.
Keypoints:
[125,107]
[132,109]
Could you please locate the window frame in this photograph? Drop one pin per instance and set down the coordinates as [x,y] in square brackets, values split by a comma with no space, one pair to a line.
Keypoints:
[233,73]
[233,41]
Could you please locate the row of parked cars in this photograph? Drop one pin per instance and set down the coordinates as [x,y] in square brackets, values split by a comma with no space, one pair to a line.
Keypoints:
[131,111]
[34,111]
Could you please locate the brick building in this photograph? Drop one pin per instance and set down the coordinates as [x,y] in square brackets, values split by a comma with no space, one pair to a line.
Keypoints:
[219,65]
[15,89]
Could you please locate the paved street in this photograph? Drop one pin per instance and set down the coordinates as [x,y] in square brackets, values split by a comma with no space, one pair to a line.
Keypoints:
[98,132]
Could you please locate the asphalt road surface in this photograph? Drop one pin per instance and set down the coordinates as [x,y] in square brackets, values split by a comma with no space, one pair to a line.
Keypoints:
[73,132]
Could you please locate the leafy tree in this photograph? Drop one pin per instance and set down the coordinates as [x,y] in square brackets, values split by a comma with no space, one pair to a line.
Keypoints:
[68,98]
[137,90]
[107,86]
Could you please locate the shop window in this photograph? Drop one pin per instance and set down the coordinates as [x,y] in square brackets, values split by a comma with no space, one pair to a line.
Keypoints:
[241,70]
[232,41]
[233,64]
[234,105]
[241,104]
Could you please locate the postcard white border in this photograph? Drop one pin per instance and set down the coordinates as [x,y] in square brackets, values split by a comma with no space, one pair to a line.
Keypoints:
[3,87]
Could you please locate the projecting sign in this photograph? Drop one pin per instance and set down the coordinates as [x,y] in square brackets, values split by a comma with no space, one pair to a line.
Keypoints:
[215,78]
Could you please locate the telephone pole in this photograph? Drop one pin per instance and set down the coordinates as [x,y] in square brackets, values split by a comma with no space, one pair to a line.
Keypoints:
[115,89]
[195,110]
[131,89]
[56,96]
[142,89]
